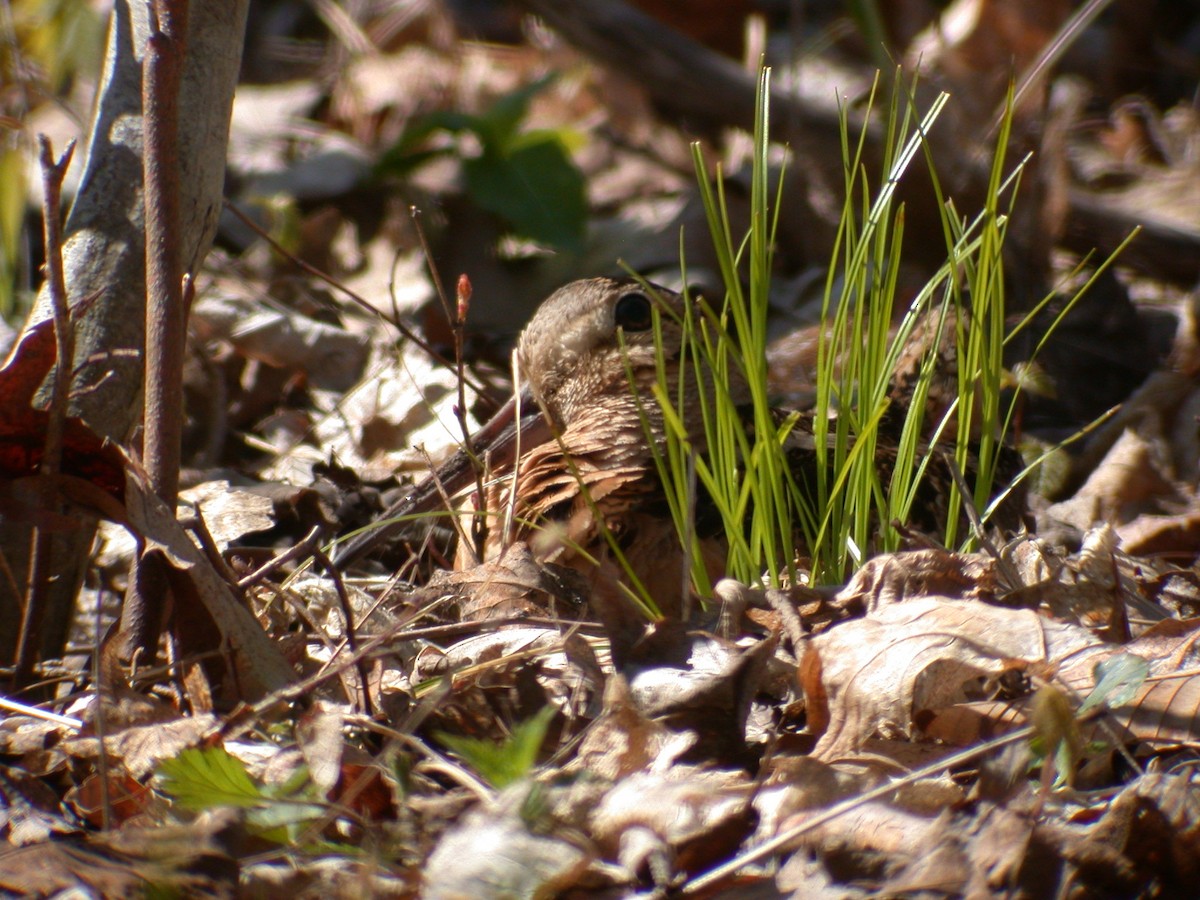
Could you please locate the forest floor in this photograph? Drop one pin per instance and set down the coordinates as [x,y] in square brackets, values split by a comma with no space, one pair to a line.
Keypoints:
[1017,721]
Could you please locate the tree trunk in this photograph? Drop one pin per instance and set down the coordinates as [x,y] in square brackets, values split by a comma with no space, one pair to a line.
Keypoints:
[105,257]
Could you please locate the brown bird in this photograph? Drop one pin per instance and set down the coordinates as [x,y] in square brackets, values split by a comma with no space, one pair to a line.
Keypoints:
[590,361]
[585,463]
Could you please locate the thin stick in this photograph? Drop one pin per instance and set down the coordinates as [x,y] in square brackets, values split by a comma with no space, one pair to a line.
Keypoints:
[462,296]
[703,884]
[341,288]
[64,340]
[358,661]
[165,316]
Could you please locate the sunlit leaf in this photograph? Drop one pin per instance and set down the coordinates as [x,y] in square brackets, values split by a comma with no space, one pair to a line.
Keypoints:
[504,763]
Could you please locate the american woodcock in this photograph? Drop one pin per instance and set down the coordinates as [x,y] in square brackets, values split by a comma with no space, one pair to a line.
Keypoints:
[584,463]
[578,435]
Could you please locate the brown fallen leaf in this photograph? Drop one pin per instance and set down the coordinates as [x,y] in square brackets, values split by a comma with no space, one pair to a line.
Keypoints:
[1165,709]
[681,819]
[881,671]
[85,454]
[896,577]
[514,584]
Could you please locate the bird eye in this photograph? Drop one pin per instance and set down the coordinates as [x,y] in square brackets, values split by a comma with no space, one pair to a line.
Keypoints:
[632,312]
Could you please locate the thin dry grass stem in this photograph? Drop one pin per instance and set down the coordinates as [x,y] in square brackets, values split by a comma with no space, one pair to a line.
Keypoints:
[448,502]
[510,507]
[301,550]
[351,640]
[701,885]
[64,338]
[1051,53]
[457,319]
[351,295]
[199,527]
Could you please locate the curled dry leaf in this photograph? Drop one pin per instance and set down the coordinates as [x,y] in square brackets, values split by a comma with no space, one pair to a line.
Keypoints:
[30,811]
[514,584]
[1174,534]
[699,683]
[1131,481]
[896,577]
[141,748]
[1098,587]
[1166,708]
[229,513]
[330,356]
[191,860]
[623,740]
[881,671]
[919,667]
[1159,811]
[85,455]
[530,666]
[398,417]
[258,663]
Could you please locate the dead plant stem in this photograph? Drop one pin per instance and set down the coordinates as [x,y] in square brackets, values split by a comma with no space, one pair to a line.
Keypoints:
[64,341]
[165,315]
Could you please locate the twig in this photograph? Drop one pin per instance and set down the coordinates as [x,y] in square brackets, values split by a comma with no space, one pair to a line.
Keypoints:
[64,342]
[414,213]
[448,502]
[1009,573]
[358,299]
[343,596]
[703,884]
[64,334]
[305,548]
[462,306]
[165,314]
[208,546]
[458,320]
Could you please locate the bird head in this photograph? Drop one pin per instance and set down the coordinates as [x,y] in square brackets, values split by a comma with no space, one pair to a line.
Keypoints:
[578,351]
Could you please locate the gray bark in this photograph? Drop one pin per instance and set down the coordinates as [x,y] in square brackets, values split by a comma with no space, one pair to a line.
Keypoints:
[104,253]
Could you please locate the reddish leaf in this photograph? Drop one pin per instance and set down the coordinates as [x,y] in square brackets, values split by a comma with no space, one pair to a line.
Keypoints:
[25,369]
[86,455]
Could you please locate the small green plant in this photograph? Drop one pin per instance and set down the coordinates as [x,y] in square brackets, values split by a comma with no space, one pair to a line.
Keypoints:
[199,779]
[526,177]
[745,471]
[508,761]
[1057,745]
[740,456]
[844,509]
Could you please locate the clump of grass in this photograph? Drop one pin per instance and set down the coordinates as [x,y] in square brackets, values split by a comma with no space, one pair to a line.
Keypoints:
[744,472]
[846,513]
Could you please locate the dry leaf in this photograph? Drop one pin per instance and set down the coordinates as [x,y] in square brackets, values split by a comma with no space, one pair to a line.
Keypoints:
[880,672]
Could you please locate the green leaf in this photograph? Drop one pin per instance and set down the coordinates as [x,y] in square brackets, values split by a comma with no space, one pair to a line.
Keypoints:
[407,154]
[509,761]
[497,128]
[200,779]
[1117,680]
[536,189]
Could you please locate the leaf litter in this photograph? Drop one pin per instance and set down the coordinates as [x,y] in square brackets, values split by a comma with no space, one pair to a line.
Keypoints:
[971,725]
